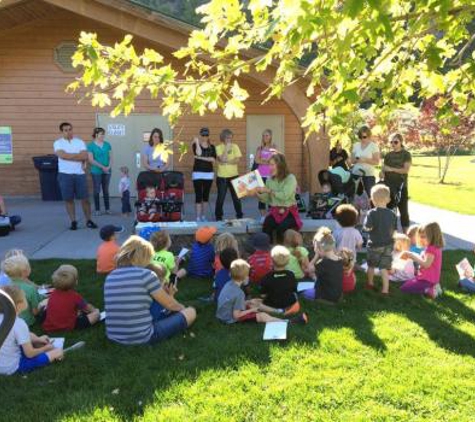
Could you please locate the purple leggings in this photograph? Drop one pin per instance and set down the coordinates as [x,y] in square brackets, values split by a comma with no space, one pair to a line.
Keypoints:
[416,287]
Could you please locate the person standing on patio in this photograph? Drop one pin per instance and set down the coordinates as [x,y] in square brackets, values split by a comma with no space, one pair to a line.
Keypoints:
[279,194]
[101,163]
[264,153]
[72,158]
[154,159]
[365,157]
[228,156]
[396,167]
[203,172]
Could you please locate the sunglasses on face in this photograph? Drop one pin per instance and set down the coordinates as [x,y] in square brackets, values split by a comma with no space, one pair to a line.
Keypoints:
[394,142]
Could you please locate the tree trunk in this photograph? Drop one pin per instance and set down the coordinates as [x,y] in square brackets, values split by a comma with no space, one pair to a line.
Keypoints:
[439,162]
[450,152]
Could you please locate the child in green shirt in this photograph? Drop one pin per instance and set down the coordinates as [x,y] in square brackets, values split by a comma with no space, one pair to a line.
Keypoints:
[161,242]
[18,269]
[298,262]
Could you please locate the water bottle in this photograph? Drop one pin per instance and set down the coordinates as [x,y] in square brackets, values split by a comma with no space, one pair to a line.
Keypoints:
[251,161]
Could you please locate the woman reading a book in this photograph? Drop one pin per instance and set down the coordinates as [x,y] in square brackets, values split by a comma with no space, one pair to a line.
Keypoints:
[279,194]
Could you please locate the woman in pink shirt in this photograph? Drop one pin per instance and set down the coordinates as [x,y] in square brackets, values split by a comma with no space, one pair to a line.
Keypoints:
[427,282]
[263,155]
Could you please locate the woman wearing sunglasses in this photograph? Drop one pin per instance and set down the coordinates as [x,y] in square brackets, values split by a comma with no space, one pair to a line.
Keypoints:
[397,164]
[365,157]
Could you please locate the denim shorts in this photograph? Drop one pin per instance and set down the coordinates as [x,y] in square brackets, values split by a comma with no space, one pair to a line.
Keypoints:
[380,257]
[73,186]
[30,364]
[168,327]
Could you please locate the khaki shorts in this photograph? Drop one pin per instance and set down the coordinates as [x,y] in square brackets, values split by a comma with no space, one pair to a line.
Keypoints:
[380,257]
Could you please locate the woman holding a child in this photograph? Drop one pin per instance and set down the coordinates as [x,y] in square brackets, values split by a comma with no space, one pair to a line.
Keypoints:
[279,194]
[129,292]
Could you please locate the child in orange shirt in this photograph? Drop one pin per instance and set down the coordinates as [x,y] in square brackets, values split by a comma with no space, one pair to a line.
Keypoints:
[107,251]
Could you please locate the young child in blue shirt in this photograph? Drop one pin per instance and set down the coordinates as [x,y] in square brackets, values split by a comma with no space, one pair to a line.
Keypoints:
[226,257]
[202,253]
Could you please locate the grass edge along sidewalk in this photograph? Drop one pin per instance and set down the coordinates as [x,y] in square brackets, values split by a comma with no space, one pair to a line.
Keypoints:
[370,358]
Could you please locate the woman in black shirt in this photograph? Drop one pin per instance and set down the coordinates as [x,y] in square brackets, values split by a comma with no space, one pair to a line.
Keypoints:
[203,172]
[339,156]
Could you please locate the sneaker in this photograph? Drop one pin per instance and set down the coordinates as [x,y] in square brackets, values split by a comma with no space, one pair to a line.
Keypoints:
[108,212]
[75,346]
[438,289]
[292,310]
[204,219]
[91,225]
[431,292]
[74,225]
[96,213]
[301,319]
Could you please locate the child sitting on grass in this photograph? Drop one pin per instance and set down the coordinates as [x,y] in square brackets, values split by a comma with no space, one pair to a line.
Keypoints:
[347,236]
[349,278]
[67,310]
[226,257]
[202,253]
[467,282]
[161,242]
[402,269]
[232,305]
[108,249]
[4,279]
[413,233]
[380,223]
[279,287]
[261,260]
[18,269]
[224,241]
[328,269]
[427,281]
[23,351]
[298,261]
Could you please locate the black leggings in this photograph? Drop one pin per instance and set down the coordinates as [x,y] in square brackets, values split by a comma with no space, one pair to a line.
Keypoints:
[276,231]
[202,190]
[403,206]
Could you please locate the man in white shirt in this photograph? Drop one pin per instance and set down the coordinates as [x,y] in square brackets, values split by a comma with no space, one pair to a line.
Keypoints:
[72,157]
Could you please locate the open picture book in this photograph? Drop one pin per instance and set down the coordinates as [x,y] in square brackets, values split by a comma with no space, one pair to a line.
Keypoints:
[247,182]
[465,269]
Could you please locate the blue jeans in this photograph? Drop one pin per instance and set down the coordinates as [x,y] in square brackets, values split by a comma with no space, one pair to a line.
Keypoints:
[126,208]
[368,183]
[467,285]
[101,181]
[166,324]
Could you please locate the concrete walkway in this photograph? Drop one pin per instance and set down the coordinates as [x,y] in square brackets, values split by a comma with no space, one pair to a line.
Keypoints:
[44,231]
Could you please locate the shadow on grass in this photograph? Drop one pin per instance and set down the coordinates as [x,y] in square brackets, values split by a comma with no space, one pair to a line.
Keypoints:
[121,381]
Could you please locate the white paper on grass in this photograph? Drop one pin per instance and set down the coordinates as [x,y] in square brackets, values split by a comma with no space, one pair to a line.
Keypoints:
[45,291]
[57,342]
[182,253]
[305,285]
[276,330]
[463,267]
[103,316]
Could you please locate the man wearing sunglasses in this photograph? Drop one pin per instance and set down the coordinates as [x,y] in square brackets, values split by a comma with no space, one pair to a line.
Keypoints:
[397,164]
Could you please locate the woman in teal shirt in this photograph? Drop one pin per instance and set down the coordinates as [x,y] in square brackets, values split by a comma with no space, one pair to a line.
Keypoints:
[279,194]
[101,164]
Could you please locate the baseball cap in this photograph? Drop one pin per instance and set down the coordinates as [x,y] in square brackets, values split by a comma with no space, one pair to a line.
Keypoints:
[205,234]
[260,241]
[204,131]
[108,230]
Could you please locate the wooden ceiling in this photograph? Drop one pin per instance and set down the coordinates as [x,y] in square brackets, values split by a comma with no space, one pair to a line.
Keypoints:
[14,13]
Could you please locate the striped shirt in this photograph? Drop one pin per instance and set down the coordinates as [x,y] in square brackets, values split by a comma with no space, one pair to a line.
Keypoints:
[127,298]
[201,260]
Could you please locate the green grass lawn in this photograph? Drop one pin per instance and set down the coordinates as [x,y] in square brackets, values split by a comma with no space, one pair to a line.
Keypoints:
[370,358]
[456,194]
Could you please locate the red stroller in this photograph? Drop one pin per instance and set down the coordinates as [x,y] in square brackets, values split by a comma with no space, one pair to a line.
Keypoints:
[161,196]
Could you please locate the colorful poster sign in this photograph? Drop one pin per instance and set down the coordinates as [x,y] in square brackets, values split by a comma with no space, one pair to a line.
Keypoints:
[6,145]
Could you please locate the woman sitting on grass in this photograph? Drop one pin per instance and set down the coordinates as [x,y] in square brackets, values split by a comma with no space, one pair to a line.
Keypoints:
[129,292]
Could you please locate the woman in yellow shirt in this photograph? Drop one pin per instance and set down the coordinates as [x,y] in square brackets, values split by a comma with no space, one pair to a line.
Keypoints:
[227,158]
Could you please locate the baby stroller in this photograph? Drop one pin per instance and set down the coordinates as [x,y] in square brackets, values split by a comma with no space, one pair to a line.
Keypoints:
[166,196]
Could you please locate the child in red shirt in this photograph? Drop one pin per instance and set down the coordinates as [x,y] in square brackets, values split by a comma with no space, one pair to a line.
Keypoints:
[261,260]
[67,310]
